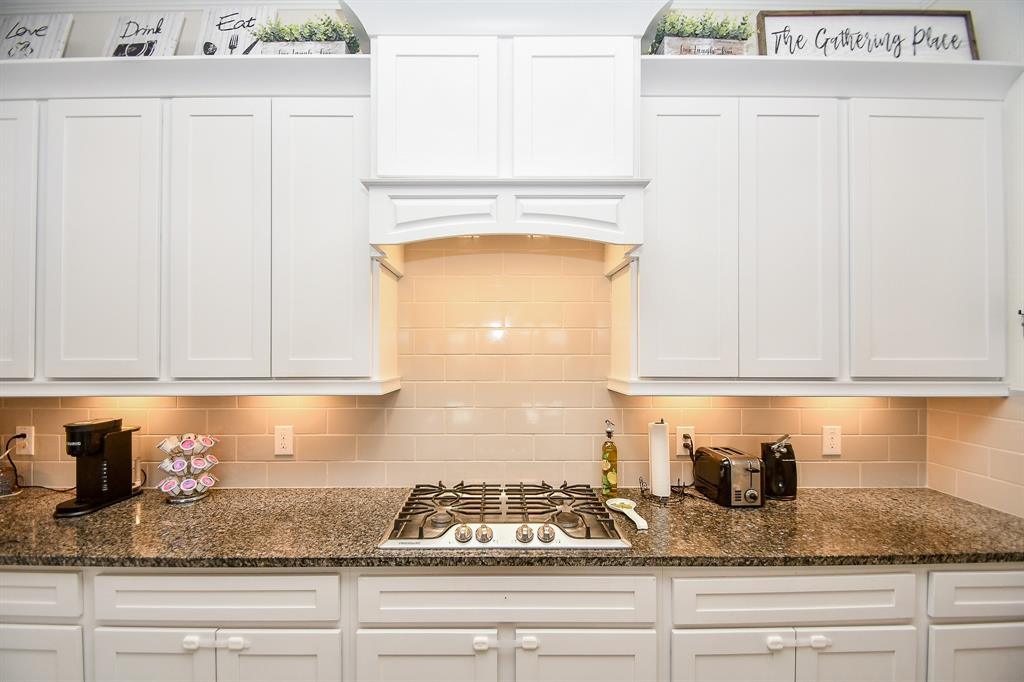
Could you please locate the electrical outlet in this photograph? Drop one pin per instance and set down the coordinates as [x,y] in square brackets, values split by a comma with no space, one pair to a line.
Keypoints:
[831,440]
[681,447]
[27,445]
[284,440]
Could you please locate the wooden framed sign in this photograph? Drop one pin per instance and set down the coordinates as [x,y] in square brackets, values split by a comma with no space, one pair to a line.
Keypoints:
[902,35]
[34,36]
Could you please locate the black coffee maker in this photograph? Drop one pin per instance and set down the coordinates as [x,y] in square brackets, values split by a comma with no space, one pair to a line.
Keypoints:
[102,449]
[779,465]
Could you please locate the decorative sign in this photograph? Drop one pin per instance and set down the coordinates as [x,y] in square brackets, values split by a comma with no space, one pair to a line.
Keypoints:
[229,30]
[34,36]
[868,34]
[145,35]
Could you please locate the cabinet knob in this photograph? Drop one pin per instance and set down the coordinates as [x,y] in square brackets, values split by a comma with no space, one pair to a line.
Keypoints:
[190,643]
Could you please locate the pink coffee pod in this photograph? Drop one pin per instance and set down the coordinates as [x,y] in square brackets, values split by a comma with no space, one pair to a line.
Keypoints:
[211,461]
[178,466]
[188,486]
[198,465]
[209,441]
[188,445]
[169,486]
[205,482]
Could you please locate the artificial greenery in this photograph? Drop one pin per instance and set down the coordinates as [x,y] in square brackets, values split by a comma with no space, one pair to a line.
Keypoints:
[704,26]
[322,29]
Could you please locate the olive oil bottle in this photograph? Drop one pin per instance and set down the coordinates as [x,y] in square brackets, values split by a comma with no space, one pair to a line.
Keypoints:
[609,462]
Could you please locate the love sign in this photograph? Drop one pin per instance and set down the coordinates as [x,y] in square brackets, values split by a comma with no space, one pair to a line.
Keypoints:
[868,34]
[34,36]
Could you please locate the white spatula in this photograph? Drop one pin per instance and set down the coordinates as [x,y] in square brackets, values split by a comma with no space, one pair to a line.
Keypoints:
[627,507]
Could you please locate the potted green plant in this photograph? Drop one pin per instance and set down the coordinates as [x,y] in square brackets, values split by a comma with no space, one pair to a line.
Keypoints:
[702,35]
[322,35]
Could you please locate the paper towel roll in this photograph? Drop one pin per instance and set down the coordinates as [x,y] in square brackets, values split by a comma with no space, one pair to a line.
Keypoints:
[657,435]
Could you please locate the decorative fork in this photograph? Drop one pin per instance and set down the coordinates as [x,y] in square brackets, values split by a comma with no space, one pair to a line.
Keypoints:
[233,43]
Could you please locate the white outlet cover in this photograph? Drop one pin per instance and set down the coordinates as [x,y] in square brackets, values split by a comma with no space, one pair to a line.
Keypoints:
[680,432]
[26,446]
[284,440]
[831,440]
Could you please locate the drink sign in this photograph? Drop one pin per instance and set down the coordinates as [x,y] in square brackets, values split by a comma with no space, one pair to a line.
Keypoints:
[34,36]
[229,30]
[145,35]
[868,34]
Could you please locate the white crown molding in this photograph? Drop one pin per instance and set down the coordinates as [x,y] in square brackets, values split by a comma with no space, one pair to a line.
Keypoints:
[72,6]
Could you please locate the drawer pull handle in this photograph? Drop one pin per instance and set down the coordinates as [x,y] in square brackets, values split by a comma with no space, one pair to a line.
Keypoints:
[483,643]
[193,643]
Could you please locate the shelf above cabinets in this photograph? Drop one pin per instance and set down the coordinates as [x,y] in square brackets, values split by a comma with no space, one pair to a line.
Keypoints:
[198,387]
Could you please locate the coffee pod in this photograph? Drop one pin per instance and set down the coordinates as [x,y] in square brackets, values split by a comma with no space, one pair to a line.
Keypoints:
[188,445]
[188,436]
[166,465]
[188,486]
[211,461]
[198,465]
[204,483]
[169,446]
[169,486]
[178,466]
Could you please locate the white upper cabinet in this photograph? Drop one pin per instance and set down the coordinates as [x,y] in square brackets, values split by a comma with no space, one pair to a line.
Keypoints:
[437,105]
[687,297]
[789,237]
[220,238]
[321,262]
[927,239]
[18,155]
[101,235]
[573,106]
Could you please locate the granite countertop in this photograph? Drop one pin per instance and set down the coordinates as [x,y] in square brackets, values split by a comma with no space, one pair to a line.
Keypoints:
[341,527]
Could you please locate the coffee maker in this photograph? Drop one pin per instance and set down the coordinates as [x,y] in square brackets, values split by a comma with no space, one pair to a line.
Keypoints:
[779,461]
[102,449]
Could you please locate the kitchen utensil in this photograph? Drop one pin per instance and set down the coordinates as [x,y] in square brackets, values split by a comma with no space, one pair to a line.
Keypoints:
[728,476]
[779,460]
[209,49]
[233,43]
[627,507]
[251,45]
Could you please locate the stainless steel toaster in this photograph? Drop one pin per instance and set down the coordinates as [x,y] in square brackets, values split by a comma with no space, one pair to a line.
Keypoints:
[728,476]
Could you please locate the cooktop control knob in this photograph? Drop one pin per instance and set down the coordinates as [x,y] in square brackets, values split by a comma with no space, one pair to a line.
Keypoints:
[463,533]
[546,533]
[751,496]
[524,533]
[484,533]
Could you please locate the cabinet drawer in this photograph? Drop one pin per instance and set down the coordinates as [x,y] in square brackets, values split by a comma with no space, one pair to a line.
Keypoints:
[976,594]
[217,598]
[792,600]
[503,599]
[40,594]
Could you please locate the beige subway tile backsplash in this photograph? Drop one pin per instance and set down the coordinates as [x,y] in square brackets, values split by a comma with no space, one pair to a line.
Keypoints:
[504,350]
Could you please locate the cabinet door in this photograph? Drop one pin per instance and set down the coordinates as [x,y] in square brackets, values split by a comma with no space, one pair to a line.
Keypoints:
[587,656]
[102,238]
[154,655]
[572,111]
[789,238]
[425,655]
[18,149]
[279,656]
[437,105]
[857,654]
[730,655]
[687,300]
[927,239]
[976,653]
[41,653]
[321,273]
[220,238]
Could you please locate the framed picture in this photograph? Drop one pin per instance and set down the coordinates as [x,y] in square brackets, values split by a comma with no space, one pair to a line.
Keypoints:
[903,35]
[145,35]
[34,36]
[229,30]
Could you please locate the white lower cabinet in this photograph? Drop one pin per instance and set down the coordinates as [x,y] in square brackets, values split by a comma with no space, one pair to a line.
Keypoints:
[586,655]
[862,654]
[444,655]
[41,653]
[206,654]
[991,652]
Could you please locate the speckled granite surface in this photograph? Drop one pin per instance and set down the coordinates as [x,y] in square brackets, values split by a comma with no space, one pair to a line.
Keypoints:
[342,526]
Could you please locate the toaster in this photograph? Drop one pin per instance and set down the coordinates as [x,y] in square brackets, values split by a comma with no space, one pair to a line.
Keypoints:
[728,476]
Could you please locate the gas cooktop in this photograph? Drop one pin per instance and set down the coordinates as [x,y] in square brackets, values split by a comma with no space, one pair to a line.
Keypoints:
[517,515]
